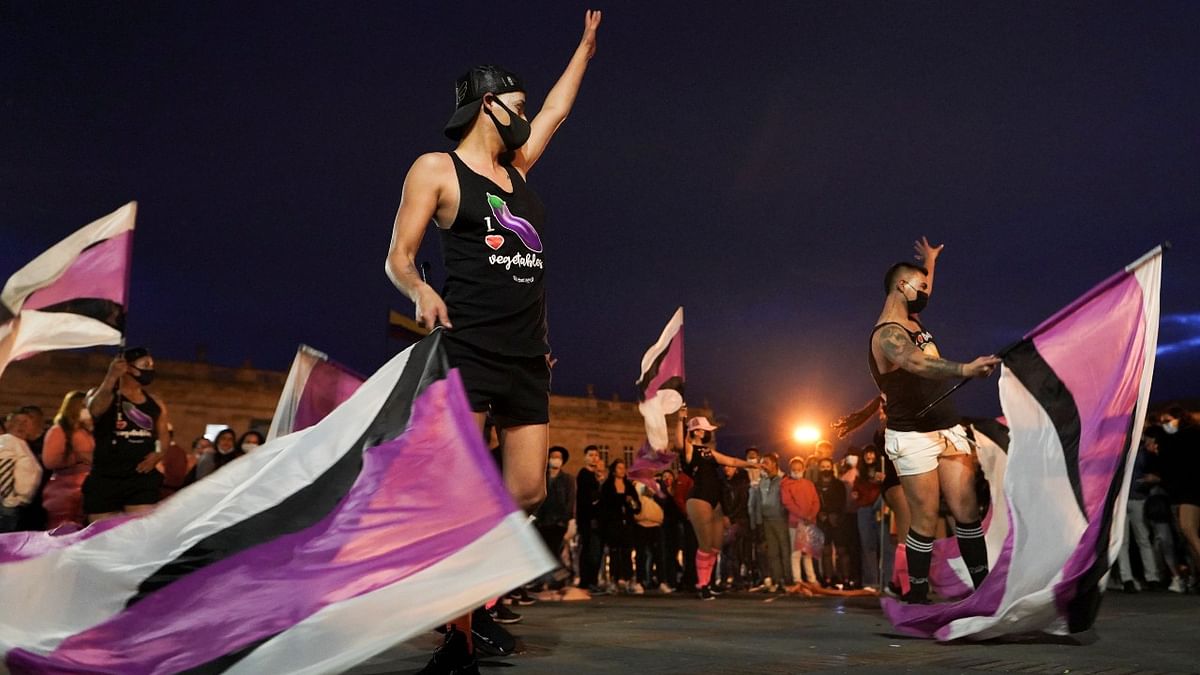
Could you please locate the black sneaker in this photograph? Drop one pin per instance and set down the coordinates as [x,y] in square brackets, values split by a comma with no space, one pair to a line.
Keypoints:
[1131,587]
[522,597]
[910,599]
[502,614]
[490,637]
[705,593]
[452,658]
[597,590]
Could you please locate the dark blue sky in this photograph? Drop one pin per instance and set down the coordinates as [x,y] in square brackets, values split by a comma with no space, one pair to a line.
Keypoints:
[761,164]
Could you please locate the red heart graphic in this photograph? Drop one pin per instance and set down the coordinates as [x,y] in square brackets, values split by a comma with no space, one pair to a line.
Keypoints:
[494,241]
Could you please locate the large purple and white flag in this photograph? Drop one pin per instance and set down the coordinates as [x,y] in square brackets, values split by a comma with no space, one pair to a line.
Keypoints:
[72,295]
[1074,395]
[309,555]
[315,386]
[660,386]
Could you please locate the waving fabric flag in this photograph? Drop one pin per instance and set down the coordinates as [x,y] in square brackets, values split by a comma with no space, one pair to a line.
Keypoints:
[311,554]
[315,386]
[660,387]
[72,295]
[1074,394]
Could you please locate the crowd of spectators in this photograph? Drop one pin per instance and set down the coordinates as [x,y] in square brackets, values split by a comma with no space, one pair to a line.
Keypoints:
[45,464]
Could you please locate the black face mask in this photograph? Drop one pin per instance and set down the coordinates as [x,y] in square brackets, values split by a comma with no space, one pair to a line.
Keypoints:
[826,474]
[918,305]
[144,377]
[515,133]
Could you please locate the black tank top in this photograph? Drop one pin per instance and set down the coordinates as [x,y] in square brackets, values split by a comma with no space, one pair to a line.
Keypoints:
[905,394]
[494,290]
[706,472]
[125,434]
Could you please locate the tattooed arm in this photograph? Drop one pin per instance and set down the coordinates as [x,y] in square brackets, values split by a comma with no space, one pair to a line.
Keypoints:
[893,342]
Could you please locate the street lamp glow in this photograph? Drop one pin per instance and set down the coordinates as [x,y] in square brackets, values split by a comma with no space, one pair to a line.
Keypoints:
[806,434]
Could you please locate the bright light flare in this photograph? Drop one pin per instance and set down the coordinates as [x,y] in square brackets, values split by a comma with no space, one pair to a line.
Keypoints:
[806,434]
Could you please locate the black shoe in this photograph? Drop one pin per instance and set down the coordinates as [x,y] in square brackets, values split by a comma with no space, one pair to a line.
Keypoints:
[522,597]
[597,590]
[490,637]
[1131,587]
[452,658]
[705,593]
[502,614]
[910,599]
[715,591]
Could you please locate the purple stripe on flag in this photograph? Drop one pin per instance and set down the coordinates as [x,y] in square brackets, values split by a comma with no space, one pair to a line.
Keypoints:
[98,272]
[400,517]
[670,366]
[25,545]
[328,386]
[1098,352]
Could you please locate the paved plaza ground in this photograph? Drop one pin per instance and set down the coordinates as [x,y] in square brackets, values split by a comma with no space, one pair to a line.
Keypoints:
[751,633]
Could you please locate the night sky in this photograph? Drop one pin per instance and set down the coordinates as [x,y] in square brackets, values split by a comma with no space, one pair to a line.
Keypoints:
[761,164]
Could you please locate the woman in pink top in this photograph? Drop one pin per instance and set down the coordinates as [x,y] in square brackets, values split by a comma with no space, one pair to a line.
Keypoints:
[68,452]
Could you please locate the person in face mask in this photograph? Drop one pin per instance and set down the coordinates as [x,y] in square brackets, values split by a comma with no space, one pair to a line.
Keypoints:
[249,442]
[492,308]
[1179,453]
[131,424]
[556,515]
[224,451]
[802,502]
[931,451]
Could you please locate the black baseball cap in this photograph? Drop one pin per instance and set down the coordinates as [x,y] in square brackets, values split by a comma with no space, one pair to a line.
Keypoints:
[468,95]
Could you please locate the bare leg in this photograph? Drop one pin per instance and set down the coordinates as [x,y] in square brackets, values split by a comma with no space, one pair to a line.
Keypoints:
[921,491]
[525,448]
[137,509]
[97,517]
[956,476]
[1189,525]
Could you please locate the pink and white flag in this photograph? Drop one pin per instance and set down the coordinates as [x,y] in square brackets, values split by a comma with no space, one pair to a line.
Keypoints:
[660,387]
[73,295]
[315,386]
[1074,394]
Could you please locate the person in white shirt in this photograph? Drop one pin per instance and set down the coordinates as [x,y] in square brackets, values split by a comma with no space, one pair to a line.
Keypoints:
[20,470]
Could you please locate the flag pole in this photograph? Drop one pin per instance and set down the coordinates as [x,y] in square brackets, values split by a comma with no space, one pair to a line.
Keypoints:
[1001,354]
[128,276]
[1157,250]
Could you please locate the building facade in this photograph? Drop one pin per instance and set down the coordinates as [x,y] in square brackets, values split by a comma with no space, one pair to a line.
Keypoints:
[200,395]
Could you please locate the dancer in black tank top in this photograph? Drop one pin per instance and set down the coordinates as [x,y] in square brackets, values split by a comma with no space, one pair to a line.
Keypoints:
[703,465]
[493,304]
[130,426]
[931,452]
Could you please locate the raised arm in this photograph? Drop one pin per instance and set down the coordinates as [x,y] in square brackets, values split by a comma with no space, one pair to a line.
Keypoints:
[560,99]
[101,398]
[726,460]
[927,254]
[418,203]
[892,341]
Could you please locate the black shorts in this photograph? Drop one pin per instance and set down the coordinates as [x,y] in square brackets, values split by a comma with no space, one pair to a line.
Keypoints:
[106,494]
[514,389]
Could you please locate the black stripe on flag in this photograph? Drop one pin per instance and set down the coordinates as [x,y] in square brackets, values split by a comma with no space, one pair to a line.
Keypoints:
[315,501]
[992,428]
[107,312]
[647,377]
[1085,602]
[1042,382]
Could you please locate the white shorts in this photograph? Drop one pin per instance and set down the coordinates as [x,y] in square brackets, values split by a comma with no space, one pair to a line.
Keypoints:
[916,452]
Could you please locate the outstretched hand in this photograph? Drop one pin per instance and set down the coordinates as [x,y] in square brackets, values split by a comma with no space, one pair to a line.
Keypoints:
[925,252]
[591,21]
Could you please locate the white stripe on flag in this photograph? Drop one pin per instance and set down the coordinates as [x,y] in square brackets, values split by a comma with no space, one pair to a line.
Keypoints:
[344,634]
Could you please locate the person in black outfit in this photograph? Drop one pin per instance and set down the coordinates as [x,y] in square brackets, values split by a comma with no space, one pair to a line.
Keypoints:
[1179,455]
[673,526]
[931,451]
[557,512]
[492,308]
[703,465]
[619,503]
[737,551]
[587,500]
[129,421]
[835,561]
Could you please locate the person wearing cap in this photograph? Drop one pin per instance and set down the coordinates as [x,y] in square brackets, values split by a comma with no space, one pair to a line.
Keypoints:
[704,464]
[492,307]
[130,424]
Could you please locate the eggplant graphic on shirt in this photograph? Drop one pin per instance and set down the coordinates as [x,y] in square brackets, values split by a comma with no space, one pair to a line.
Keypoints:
[135,415]
[515,224]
